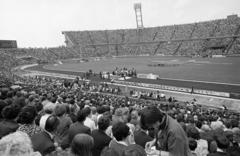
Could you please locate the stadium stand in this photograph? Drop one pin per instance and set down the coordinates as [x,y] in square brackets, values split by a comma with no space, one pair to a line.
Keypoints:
[198,39]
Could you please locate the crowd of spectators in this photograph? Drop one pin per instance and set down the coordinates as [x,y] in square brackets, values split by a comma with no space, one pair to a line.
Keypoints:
[62,117]
[199,30]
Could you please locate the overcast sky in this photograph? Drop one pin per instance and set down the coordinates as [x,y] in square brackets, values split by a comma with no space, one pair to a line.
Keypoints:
[39,23]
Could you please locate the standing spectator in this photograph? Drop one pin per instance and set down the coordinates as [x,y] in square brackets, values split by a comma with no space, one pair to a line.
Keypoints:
[44,141]
[64,121]
[77,128]
[88,121]
[8,124]
[101,139]
[171,136]
[82,145]
[17,144]
[26,120]
[222,146]
[121,133]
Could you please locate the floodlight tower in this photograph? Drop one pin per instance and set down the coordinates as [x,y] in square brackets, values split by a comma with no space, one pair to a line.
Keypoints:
[138,12]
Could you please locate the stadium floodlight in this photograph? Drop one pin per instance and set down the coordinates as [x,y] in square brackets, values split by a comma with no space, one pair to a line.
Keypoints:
[138,12]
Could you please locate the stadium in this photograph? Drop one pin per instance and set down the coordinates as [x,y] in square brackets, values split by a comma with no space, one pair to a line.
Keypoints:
[195,64]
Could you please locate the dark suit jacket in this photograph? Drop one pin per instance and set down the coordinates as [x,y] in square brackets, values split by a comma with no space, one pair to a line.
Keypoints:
[101,140]
[141,138]
[119,148]
[73,130]
[218,154]
[43,143]
[77,128]
[7,126]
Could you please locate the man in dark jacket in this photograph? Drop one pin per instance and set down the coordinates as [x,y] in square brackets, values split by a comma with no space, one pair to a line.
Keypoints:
[101,139]
[76,128]
[171,137]
[8,124]
[121,133]
[44,141]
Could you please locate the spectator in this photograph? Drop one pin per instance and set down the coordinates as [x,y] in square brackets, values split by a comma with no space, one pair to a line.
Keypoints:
[17,144]
[44,141]
[88,121]
[26,120]
[222,145]
[8,124]
[82,145]
[64,122]
[101,139]
[171,136]
[121,133]
[77,128]
[192,146]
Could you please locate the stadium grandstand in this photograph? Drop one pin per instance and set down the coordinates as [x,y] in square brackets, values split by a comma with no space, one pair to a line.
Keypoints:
[216,37]
[150,91]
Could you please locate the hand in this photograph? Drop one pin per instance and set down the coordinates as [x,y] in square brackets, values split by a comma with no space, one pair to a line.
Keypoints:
[150,144]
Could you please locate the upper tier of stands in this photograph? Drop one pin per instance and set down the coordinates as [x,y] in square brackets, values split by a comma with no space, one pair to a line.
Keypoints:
[202,38]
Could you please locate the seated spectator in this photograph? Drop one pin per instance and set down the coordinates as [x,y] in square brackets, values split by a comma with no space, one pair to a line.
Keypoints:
[44,141]
[8,124]
[121,133]
[26,119]
[82,145]
[101,139]
[17,144]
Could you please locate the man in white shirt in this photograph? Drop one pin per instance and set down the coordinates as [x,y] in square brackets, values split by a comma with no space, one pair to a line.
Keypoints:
[88,121]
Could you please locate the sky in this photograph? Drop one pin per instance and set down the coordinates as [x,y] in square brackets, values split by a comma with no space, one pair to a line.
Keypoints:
[39,23]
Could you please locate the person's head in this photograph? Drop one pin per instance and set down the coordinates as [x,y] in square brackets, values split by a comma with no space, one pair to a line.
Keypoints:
[121,132]
[107,151]
[87,111]
[27,115]
[229,135]
[94,110]
[60,110]
[103,123]
[192,144]
[81,116]
[16,144]
[193,133]
[10,112]
[82,145]
[152,117]
[222,142]
[49,122]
